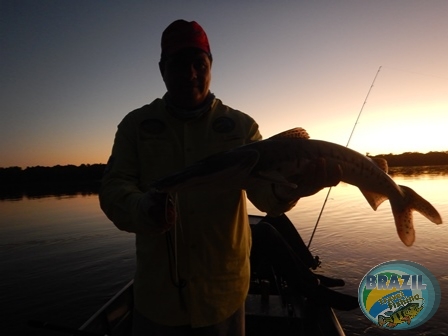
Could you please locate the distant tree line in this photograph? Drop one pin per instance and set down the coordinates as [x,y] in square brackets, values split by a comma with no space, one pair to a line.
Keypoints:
[16,182]
[409,159]
[58,180]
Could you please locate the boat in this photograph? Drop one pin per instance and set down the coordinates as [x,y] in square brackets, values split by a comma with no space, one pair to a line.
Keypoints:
[270,310]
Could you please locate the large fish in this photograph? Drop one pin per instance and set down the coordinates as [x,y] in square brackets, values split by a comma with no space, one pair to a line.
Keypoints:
[285,155]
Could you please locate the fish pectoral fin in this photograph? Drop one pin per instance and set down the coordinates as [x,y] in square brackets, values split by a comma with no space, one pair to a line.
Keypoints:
[374,199]
[276,178]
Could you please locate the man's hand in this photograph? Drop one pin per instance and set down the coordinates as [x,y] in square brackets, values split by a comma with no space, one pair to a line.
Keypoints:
[159,208]
[316,176]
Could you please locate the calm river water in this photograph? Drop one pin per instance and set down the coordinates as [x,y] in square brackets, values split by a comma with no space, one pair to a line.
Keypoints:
[61,259]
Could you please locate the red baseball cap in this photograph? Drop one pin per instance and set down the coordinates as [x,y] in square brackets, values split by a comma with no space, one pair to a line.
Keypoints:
[182,34]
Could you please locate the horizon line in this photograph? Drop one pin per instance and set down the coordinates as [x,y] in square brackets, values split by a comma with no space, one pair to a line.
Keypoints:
[90,164]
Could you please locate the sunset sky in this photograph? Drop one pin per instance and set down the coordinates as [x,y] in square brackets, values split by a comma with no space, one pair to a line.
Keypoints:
[71,70]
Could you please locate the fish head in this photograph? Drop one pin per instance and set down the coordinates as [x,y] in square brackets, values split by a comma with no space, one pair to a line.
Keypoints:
[226,170]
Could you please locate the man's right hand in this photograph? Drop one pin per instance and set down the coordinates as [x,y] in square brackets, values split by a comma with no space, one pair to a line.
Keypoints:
[160,209]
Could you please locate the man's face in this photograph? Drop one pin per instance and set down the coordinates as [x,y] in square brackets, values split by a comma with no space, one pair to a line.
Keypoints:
[187,77]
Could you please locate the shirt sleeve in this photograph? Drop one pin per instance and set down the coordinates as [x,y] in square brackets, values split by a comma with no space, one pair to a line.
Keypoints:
[120,197]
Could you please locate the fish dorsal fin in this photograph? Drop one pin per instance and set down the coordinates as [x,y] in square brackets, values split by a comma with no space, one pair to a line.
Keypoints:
[295,133]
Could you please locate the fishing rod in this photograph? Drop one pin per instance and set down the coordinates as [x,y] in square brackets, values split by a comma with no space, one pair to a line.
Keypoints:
[348,142]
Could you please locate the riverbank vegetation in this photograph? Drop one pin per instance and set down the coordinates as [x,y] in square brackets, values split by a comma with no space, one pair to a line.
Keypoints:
[412,159]
[58,180]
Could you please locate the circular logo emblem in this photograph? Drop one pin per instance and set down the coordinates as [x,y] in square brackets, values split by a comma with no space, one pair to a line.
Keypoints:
[399,295]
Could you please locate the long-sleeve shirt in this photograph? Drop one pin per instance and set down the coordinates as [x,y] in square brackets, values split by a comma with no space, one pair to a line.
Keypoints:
[197,273]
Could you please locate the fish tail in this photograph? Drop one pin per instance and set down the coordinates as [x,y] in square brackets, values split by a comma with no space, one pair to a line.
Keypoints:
[403,215]
[421,205]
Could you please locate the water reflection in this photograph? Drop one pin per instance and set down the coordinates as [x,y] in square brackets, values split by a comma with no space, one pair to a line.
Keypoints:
[61,251]
[12,195]
[418,171]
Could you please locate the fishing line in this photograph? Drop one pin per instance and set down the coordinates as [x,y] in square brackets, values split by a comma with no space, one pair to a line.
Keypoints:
[348,142]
